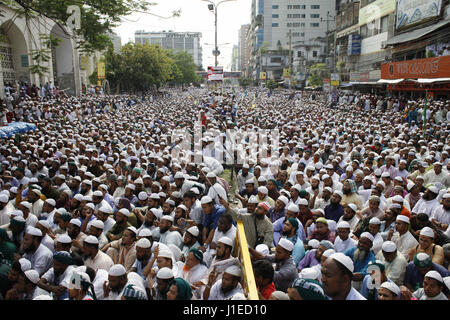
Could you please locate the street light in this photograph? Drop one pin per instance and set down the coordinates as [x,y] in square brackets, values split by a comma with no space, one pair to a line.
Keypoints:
[213,7]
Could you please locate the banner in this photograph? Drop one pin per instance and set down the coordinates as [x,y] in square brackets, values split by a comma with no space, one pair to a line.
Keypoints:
[412,12]
[215,73]
[376,10]
[101,73]
[262,76]
[414,69]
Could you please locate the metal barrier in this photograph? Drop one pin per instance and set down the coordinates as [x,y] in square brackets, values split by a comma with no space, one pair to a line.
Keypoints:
[241,251]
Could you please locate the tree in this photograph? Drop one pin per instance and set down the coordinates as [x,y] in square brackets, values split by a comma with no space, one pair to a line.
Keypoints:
[244,82]
[317,73]
[184,68]
[271,84]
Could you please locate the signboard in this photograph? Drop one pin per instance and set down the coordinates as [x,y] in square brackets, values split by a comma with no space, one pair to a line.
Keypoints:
[414,69]
[375,75]
[262,76]
[285,73]
[412,12]
[215,74]
[364,77]
[354,44]
[326,87]
[376,10]
[354,77]
[101,73]
[24,60]
[334,77]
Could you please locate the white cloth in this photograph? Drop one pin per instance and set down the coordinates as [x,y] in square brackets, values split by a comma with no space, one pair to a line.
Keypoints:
[427,207]
[217,293]
[441,215]
[100,261]
[404,242]
[341,246]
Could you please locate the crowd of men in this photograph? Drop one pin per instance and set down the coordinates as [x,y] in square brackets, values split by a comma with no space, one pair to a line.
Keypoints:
[352,204]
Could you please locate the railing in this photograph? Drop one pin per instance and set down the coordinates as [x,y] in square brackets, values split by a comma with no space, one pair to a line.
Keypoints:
[241,251]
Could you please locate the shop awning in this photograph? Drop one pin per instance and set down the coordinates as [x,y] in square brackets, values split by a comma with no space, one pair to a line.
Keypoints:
[390,81]
[433,80]
[416,34]
[345,84]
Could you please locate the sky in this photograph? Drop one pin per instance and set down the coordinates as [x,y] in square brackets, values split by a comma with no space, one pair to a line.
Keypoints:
[195,17]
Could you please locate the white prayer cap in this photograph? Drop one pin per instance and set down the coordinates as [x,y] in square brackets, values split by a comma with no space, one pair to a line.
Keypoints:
[397,198]
[145,232]
[165,273]
[310,273]
[131,186]
[64,238]
[395,205]
[97,193]
[143,243]
[374,220]
[253,199]
[367,235]
[250,181]
[154,196]
[402,218]
[194,231]
[263,190]
[91,240]
[342,258]
[328,189]
[433,189]
[385,175]
[26,204]
[44,223]
[76,222]
[343,224]
[234,270]
[167,217]
[195,190]
[25,264]
[32,275]
[211,175]
[13,190]
[4,198]
[262,179]
[179,175]
[339,193]
[165,253]
[106,209]
[143,196]
[434,275]
[303,202]
[34,231]
[78,197]
[238,296]
[125,212]
[263,249]
[389,246]
[104,187]
[132,229]
[206,199]
[314,243]
[138,181]
[352,206]
[226,240]
[43,297]
[391,286]
[427,231]
[285,200]
[446,196]
[98,224]
[293,208]
[327,253]
[117,270]
[286,244]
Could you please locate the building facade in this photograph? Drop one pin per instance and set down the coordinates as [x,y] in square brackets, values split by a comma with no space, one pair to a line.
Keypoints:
[244,49]
[176,41]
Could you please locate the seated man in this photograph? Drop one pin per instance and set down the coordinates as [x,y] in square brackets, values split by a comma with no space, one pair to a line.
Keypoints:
[394,262]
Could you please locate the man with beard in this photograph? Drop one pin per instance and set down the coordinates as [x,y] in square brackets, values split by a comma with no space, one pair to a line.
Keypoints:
[103,214]
[48,212]
[289,232]
[123,251]
[321,231]
[40,256]
[47,241]
[225,228]
[143,256]
[440,216]
[96,230]
[149,219]
[257,226]
[323,200]
[117,280]
[34,197]
[350,216]
[93,257]
[212,213]
[222,259]
[189,241]
[279,210]
[56,280]
[167,236]
[285,269]
[243,176]
[48,190]
[305,213]
[74,232]
[428,202]
[184,185]
[194,206]
[194,271]
[334,211]
[343,240]
[121,225]
[6,208]
[437,175]
[249,190]
[337,274]
[350,194]
[85,188]
[402,237]
[361,255]
[225,288]
[394,261]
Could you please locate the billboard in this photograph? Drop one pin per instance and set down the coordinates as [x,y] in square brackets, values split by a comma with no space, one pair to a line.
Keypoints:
[412,12]
[215,74]
[101,74]
[262,76]
[354,44]
[413,69]
[376,10]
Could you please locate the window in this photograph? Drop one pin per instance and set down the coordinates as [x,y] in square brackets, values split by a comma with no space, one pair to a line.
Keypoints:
[275,24]
[295,16]
[315,16]
[299,54]
[295,7]
[293,24]
[303,6]
[315,6]
[384,24]
[275,60]
[314,53]
[314,25]
[302,34]
[275,6]
[302,24]
[275,16]
[363,31]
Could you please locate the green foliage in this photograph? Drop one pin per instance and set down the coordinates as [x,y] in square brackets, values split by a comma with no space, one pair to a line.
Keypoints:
[184,69]
[271,84]
[244,82]
[44,54]
[317,73]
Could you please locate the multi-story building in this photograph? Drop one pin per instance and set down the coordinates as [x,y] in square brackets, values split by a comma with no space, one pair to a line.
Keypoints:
[177,41]
[235,58]
[116,41]
[285,24]
[244,48]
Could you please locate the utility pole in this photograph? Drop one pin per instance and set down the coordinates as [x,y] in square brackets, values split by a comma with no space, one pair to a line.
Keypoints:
[290,58]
